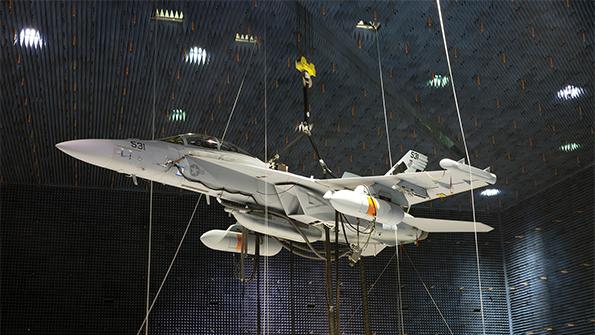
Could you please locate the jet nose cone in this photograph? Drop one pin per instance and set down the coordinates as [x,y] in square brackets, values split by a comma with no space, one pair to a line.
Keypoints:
[97,152]
[65,146]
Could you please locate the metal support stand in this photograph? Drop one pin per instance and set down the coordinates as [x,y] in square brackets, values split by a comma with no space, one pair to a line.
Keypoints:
[257,269]
[337,297]
[329,293]
[364,287]
[291,295]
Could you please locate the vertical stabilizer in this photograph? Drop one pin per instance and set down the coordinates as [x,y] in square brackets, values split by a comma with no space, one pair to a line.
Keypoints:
[413,161]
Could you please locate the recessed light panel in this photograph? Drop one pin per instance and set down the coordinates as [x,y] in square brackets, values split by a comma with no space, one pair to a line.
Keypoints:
[568,147]
[177,115]
[570,92]
[197,55]
[438,81]
[30,38]
[490,192]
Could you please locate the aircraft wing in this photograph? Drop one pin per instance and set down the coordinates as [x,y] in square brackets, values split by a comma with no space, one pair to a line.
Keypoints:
[418,187]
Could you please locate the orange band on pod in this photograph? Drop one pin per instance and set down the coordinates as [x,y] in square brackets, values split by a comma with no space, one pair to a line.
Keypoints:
[372,206]
[238,242]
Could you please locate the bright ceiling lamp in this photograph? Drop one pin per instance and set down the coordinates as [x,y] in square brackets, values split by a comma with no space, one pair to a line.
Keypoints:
[568,147]
[177,115]
[570,92]
[490,192]
[29,37]
[196,55]
[438,81]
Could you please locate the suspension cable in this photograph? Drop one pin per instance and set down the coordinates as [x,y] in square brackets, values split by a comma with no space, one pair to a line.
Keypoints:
[400,305]
[266,205]
[170,265]
[390,157]
[365,291]
[428,292]
[454,93]
[371,287]
[235,102]
[151,182]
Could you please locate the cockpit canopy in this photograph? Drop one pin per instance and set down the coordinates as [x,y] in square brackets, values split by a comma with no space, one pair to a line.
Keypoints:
[204,141]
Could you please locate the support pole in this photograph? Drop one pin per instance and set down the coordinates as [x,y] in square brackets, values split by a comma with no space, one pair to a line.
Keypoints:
[337,297]
[257,269]
[291,295]
[329,293]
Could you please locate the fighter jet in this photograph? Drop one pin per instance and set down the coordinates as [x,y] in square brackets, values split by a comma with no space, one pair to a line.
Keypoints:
[287,210]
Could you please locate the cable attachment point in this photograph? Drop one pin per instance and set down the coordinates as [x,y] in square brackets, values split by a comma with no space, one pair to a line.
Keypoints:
[355,255]
[368,25]
[325,168]
[305,127]
[307,80]
[272,163]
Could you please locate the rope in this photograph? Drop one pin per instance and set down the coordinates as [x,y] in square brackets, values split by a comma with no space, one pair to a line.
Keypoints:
[428,292]
[170,266]
[151,183]
[397,251]
[371,287]
[235,102]
[147,309]
[454,92]
[390,157]
[266,207]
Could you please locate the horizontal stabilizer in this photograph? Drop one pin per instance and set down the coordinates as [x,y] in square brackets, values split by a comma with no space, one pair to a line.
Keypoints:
[445,226]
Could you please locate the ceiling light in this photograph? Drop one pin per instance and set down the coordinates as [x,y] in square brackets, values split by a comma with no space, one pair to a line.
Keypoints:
[167,15]
[177,115]
[197,55]
[490,192]
[568,147]
[245,38]
[438,81]
[570,92]
[29,37]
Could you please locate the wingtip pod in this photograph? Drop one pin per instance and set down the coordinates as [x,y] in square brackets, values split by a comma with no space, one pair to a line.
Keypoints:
[463,170]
